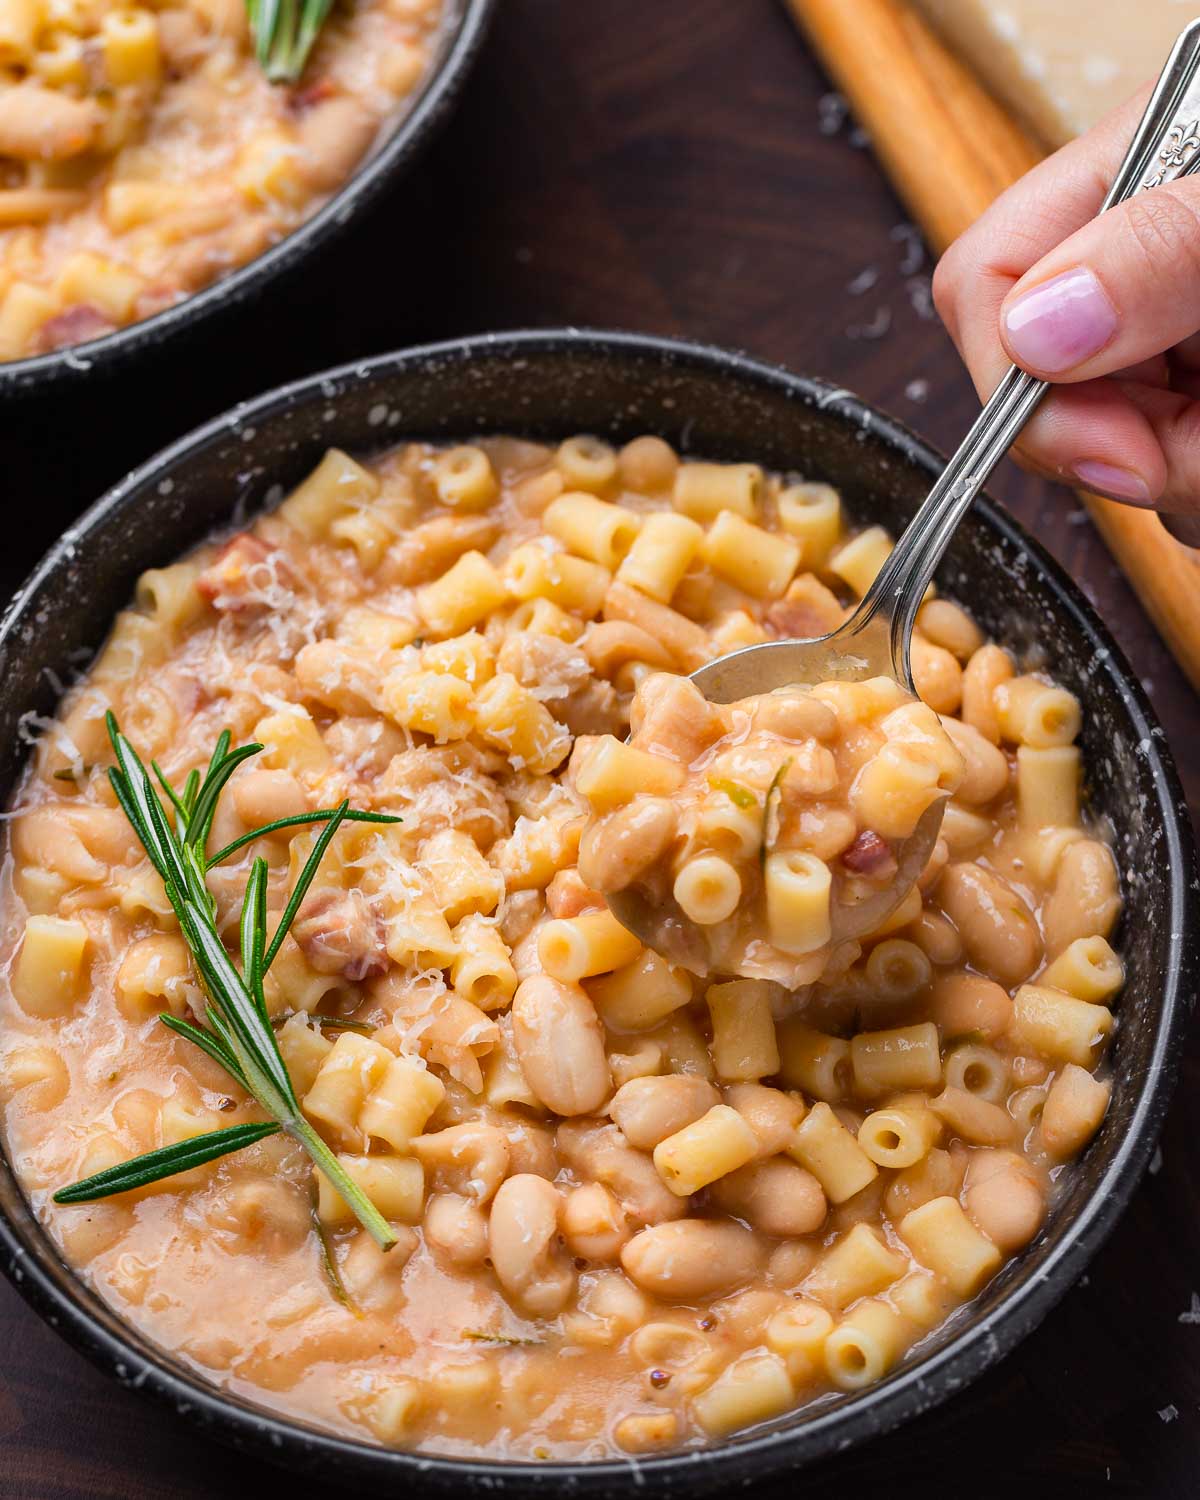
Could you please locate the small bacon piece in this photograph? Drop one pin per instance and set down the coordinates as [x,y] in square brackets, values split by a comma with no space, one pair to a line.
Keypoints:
[869,855]
[233,579]
[806,611]
[300,99]
[339,933]
[75,326]
[795,620]
[567,896]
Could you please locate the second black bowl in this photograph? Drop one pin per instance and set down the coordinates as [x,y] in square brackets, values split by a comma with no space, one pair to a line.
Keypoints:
[461,33]
[720,406]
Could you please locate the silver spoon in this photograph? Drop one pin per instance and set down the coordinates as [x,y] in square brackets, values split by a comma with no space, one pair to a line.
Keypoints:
[875,640]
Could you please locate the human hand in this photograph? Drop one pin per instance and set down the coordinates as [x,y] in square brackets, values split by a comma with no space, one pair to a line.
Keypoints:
[1108,309]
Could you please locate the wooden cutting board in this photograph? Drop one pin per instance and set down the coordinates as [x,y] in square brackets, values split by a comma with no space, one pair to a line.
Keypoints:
[950,148]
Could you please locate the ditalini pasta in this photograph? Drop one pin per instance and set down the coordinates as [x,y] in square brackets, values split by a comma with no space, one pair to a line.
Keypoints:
[634,1208]
[143,153]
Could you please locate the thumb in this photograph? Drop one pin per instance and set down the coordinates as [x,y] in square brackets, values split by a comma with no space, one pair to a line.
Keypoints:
[1123,288]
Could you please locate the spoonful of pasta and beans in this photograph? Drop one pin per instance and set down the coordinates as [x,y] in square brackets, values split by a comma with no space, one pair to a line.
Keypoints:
[762,835]
[785,799]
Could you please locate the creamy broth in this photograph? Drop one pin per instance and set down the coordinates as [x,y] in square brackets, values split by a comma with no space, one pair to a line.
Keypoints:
[143,152]
[634,1210]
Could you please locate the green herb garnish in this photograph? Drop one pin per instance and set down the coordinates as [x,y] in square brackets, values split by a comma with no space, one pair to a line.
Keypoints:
[739,795]
[322,815]
[165,1162]
[330,1023]
[770,829]
[284,34]
[238,1033]
[329,1265]
[67,774]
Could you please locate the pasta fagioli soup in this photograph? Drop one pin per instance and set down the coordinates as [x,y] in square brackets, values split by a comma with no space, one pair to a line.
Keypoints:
[633,1209]
[144,153]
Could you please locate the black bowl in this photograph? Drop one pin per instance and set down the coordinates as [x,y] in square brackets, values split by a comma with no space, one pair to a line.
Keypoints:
[462,31]
[723,406]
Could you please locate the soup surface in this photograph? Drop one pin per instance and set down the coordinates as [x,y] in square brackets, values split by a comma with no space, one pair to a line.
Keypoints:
[634,1209]
[143,152]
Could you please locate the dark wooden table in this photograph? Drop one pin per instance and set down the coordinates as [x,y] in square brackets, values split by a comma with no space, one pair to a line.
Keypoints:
[674,166]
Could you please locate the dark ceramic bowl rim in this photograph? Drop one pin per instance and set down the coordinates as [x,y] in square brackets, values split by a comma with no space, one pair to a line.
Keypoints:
[412,132]
[877,1410]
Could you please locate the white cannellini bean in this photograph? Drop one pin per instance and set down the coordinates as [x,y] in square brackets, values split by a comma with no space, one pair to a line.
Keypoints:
[560,1045]
[778,1197]
[650,1109]
[38,124]
[458,1228]
[523,1241]
[602,1154]
[692,1258]
[333,135]
[1004,1198]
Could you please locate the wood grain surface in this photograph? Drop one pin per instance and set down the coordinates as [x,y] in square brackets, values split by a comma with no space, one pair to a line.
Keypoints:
[675,166]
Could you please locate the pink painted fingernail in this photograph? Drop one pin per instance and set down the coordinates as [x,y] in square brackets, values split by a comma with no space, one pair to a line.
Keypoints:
[1107,479]
[1060,323]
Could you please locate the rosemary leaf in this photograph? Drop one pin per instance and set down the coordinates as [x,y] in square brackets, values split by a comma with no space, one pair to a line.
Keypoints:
[216,1048]
[330,1266]
[294,822]
[205,809]
[304,880]
[312,18]
[338,1023]
[180,806]
[253,1041]
[153,1166]
[67,774]
[284,34]
[325,1023]
[253,933]
[191,790]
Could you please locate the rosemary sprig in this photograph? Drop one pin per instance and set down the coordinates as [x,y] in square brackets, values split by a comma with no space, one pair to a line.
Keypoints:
[238,1033]
[284,34]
